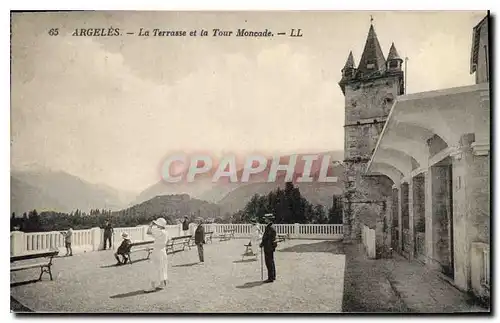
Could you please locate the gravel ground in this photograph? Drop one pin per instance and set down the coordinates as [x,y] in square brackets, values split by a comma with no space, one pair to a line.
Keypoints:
[310,278]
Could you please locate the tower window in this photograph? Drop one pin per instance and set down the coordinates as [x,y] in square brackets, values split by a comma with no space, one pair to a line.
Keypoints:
[370,66]
[393,64]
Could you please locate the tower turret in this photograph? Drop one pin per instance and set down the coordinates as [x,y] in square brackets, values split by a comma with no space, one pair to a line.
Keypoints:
[394,61]
[349,71]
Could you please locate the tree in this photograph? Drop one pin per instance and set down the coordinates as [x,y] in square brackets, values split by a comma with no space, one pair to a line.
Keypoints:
[13,221]
[33,223]
[335,212]
[288,206]
[250,212]
[319,215]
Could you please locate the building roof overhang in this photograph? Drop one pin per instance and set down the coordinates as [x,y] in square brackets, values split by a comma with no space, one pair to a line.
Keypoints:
[415,118]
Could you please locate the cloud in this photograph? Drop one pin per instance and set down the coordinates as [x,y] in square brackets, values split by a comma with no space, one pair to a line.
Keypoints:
[110,109]
[98,118]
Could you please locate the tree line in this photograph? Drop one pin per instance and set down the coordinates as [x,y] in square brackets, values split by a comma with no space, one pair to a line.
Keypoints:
[289,206]
[78,220]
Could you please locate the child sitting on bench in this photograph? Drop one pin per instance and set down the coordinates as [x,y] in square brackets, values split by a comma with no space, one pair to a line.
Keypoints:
[123,249]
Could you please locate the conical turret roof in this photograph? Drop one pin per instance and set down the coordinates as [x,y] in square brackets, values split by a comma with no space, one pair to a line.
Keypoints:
[350,62]
[372,54]
[393,53]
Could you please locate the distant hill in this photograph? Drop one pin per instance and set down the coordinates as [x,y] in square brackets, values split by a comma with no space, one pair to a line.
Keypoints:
[203,188]
[46,190]
[25,197]
[172,207]
[194,189]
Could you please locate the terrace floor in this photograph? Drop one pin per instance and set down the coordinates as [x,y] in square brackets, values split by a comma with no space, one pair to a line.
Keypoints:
[312,276]
[89,282]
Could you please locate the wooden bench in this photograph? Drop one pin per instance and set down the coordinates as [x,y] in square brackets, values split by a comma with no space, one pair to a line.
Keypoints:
[184,241]
[227,235]
[282,237]
[45,266]
[144,246]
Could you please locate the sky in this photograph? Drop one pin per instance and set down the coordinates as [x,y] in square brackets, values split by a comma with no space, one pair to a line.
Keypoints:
[110,109]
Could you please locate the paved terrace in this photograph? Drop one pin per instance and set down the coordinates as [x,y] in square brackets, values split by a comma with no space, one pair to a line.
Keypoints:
[89,282]
[313,276]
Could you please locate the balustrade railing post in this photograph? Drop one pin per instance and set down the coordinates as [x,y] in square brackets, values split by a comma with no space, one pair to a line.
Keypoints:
[17,243]
[95,234]
[296,230]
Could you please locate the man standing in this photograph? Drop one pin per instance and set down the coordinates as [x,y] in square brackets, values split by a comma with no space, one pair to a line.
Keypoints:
[269,245]
[108,233]
[199,239]
[185,226]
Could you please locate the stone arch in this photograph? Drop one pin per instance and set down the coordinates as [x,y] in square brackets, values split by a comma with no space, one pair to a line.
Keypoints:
[417,149]
[388,170]
[396,158]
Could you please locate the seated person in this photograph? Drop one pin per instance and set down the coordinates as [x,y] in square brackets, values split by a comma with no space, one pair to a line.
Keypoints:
[123,249]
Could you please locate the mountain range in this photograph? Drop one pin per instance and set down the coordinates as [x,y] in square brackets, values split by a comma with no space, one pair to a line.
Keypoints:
[203,188]
[44,189]
[48,190]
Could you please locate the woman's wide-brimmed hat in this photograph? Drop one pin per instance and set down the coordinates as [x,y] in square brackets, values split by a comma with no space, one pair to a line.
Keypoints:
[161,222]
[125,234]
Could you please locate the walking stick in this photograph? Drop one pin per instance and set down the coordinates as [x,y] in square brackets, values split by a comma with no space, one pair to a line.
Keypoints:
[261,266]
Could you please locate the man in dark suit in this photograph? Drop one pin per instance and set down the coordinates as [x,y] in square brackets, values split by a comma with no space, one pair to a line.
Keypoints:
[269,245]
[108,234]
[185,226]
[199,239]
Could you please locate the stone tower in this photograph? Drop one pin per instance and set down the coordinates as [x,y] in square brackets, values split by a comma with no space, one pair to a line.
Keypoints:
[369,90]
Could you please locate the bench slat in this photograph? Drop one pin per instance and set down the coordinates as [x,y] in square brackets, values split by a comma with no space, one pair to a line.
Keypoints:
[141,249]
[34,256]
[40,264]
[140,243]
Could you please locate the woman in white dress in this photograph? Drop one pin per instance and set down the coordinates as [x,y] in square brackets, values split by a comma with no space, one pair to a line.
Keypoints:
[159,254]
[256,235]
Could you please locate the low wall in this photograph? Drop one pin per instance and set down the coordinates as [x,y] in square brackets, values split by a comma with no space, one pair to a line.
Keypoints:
[93,239]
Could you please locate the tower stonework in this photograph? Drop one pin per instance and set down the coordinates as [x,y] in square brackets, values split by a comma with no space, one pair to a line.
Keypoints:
[369,90]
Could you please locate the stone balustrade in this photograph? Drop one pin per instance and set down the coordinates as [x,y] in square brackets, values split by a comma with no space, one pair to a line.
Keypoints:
[93,239]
